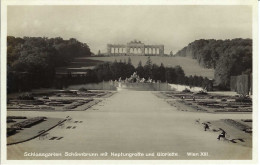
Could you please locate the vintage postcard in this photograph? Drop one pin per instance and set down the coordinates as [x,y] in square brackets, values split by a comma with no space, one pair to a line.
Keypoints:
[129,82]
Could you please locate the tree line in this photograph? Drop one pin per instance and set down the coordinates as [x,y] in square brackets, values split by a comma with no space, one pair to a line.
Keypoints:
[31,61]
[227,57]
[121,70]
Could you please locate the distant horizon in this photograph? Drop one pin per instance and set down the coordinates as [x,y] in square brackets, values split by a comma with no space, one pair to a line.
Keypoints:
[173,26]
[127,42]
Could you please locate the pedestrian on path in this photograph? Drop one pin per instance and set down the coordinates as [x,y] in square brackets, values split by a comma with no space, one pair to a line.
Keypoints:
[222,134]
[206,126]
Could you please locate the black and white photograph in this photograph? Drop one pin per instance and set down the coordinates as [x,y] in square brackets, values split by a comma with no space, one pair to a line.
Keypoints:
[124,81]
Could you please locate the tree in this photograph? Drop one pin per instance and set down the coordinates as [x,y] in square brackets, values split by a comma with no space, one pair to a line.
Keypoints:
[227,57]
[162,73]
[140,64]
[129,61]
[149,62]
[140,69]
[170,75]
[34,59]
[155,72]
[171,54]
[148,68]
[179,74]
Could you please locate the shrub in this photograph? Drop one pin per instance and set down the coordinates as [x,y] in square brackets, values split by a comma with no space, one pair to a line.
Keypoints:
[186,90]
[26,96]
[82,89]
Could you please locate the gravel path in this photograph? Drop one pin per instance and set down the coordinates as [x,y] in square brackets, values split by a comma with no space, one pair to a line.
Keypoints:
[132,122]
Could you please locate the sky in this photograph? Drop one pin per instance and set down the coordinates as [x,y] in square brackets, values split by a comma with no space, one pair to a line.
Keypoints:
[173,26]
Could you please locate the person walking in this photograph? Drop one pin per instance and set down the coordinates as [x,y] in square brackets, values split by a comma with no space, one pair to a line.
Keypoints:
[206,126]
[222,134]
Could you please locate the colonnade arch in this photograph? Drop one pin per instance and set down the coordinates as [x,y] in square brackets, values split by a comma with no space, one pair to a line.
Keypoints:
[135,48]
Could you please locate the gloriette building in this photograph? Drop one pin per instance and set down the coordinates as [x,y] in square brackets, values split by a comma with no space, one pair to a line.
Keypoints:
[135,48]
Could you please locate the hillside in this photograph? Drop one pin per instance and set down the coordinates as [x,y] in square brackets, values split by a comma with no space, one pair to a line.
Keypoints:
[190,66]
[227,57]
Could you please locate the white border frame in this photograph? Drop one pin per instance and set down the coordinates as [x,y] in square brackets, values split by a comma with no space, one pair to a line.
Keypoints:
[5,3]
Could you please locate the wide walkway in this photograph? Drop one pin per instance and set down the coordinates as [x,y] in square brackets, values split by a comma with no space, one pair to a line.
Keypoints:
[130,122]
